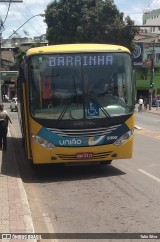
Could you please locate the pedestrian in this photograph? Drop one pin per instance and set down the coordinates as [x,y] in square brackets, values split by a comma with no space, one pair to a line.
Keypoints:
[157,103]
[140,101]
[4,119]
[146,103]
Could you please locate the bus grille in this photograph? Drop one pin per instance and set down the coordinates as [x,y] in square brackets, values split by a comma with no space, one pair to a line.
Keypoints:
[96,156]
[84,132]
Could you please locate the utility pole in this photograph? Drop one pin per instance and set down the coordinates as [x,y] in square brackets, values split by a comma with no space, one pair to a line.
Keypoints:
[1,43]
[151,78]
[1,28]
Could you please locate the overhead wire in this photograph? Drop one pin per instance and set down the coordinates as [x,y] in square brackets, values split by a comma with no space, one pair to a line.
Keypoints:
[12,13]
[29,23]
[7,12]
[35,18]
[17,19]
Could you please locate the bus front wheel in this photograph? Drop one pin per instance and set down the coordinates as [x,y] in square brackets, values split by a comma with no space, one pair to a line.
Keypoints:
[106,162]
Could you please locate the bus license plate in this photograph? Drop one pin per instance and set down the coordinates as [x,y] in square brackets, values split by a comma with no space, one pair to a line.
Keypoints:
[84,155]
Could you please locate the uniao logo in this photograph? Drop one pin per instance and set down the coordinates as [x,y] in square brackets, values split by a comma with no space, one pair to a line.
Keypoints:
[84,141]
[70,142]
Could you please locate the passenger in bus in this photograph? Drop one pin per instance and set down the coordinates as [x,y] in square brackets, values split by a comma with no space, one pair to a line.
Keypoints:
[100,86]
[113,92]
[4,119]
[35,94]
[47,91]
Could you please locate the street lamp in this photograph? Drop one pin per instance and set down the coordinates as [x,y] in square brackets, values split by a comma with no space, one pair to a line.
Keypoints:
[1,43]
[41,15]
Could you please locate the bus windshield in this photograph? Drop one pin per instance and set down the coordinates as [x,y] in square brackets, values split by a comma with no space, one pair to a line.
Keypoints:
[80,85]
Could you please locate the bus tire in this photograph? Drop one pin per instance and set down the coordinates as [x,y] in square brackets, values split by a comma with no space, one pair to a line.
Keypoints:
[23,142]
[33,165]
[106,162]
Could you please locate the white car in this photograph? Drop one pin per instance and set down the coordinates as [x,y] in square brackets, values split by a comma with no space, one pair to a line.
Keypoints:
[13,104]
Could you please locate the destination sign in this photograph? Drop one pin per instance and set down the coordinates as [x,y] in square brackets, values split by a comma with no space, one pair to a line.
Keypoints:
[81,60]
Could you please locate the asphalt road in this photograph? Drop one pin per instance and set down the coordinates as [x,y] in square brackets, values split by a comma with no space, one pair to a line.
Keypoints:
[121,198]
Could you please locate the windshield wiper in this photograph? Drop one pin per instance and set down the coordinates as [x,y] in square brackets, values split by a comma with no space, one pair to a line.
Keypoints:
[75,87]
[67,106]
[100,106]
[76,94]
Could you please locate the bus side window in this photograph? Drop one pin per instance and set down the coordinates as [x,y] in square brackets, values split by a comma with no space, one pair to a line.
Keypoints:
[20,79]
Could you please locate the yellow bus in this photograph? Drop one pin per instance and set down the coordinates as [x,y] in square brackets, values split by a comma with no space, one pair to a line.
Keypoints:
[77,103]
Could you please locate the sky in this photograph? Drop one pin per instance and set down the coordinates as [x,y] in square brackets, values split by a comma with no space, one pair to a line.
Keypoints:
[20,13]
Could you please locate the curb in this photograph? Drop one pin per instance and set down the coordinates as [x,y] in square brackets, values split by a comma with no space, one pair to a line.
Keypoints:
[27,218]
[138,127]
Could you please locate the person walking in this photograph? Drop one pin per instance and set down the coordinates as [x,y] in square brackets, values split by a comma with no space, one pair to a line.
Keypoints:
[4,119]
[140,101]
[146,103]
[157,103]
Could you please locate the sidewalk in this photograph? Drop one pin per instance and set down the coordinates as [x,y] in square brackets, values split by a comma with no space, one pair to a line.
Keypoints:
[15,214]
[153,110]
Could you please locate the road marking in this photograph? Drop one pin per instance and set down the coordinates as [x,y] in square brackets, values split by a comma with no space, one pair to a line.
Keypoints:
[158,137]
[150,175]
[148,130]
[149,133]
[138,127]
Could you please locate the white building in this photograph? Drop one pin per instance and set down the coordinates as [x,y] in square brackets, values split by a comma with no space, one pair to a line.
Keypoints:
[152,17]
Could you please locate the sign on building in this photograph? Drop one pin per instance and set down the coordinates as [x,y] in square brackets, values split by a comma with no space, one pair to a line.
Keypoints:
[152,50]
[138,54]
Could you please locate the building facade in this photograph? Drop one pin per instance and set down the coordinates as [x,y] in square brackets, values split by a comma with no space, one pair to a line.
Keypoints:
[147,55]
[147,68]
[152,17]
[9,69]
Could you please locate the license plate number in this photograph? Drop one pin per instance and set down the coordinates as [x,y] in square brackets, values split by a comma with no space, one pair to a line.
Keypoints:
[84,155]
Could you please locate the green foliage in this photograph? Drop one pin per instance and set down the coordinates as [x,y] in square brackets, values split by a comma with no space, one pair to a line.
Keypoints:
[20,54]
[92,21]
[34,45]
[19,57]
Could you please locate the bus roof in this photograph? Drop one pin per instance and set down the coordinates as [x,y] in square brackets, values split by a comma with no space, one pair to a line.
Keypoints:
[76,48]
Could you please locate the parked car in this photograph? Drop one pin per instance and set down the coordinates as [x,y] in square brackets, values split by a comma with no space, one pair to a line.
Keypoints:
[13,104]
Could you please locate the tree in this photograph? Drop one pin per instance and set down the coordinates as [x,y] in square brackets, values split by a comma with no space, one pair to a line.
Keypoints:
[20,53]
[19,57]
[81,21]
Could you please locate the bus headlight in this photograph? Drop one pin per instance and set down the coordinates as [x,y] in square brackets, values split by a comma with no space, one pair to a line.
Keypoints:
[43,142]
[124,138]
